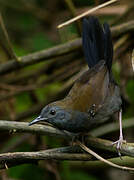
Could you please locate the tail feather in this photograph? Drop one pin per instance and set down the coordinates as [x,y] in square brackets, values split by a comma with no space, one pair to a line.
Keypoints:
[97,42]
[108,46]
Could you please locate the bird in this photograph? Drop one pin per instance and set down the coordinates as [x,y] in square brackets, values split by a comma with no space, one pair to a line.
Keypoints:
[95,96]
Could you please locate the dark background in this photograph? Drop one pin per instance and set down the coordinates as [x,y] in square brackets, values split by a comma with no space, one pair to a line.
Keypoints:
[32,26]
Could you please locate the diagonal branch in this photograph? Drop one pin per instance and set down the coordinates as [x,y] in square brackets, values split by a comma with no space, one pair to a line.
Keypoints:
[40,56]
[85,148]
[58,50]
[86,13]
[6,40]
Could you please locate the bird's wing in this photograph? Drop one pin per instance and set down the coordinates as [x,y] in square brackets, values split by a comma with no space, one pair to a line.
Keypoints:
[90,89]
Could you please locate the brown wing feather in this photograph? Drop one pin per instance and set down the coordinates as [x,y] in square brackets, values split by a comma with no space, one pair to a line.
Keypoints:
[91,88]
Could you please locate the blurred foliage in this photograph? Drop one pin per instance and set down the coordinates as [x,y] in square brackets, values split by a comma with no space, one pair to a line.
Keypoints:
[130,88]
[27,172]
[32,27]
[77,174]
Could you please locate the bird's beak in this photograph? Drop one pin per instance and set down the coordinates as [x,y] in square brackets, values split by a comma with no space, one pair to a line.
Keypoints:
[38,119]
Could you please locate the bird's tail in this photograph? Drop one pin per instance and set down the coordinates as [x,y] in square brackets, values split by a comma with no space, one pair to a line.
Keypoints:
[97,42]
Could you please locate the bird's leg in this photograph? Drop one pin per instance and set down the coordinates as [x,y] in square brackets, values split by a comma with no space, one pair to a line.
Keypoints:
[120,141]
[74,139]
[80,137]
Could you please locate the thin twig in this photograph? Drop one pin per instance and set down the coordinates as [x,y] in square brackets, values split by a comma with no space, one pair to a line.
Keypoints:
[8,43]
[88,150]
[121,41]
[133,59]
[72,9]
[122,28]
[86,13]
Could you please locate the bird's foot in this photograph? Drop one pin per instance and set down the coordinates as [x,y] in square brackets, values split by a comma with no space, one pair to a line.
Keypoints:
[118,144]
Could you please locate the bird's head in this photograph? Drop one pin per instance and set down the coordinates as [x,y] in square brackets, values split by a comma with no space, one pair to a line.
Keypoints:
[54,115]
[63,118]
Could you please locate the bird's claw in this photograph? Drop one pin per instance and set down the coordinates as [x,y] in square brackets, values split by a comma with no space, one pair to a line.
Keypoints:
[118,144]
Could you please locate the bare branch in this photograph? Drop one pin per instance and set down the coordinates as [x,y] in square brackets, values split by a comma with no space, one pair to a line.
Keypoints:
[16,158]
[91,165]
[86,13]
[40,56]
[104,160]
[7,40]
[122,28]
[126,148]
[58,50]
[22,127]
[65,153]
[13,126]
[72,9]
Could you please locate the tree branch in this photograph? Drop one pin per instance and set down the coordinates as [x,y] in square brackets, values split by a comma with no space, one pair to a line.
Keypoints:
[127,161]
[57,50]
[12,126]
[40,56]
[65,153]
[22,127]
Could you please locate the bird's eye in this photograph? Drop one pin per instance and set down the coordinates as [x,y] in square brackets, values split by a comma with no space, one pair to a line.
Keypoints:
[52,112]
